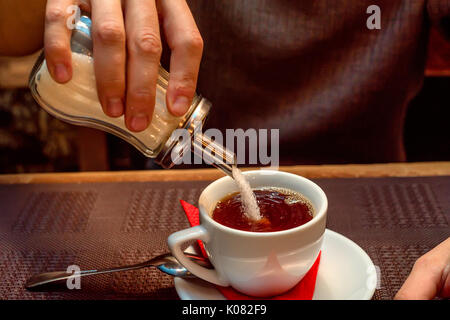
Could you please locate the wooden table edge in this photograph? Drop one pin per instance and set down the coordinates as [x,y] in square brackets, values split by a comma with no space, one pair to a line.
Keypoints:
[308,171]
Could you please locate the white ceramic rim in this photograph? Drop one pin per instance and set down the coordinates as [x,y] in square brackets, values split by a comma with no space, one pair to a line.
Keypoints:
[317,213]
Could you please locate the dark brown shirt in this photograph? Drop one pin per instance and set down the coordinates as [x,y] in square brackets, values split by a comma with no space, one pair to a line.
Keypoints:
[337,91]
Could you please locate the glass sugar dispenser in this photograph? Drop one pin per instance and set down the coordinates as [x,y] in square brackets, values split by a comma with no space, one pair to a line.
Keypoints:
[76,102]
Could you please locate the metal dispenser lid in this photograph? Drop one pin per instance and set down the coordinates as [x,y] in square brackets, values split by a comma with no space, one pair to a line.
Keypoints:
[173,148]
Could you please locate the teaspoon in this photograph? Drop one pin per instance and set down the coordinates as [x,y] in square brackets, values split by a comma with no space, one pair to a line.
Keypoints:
[165,262]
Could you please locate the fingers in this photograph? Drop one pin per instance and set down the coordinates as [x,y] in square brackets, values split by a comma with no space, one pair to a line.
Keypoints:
[421,284]
[429,276]
[142,43]
[144,52]
[57,40]
[186,47]
[108,32]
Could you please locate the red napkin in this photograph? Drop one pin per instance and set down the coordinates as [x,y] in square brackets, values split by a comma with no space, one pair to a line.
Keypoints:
[304,290]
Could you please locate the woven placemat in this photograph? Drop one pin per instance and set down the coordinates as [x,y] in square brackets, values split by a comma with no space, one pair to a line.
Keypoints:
[47,227]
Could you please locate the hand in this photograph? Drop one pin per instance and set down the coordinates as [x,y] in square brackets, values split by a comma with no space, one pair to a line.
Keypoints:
[127,51]
[430,276]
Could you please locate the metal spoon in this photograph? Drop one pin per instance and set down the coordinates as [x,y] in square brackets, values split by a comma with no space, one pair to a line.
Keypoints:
[165,262]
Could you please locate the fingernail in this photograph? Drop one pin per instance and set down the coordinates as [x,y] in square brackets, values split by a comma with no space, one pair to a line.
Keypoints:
[114,107]
[61,73]
[181,105]
[139,122]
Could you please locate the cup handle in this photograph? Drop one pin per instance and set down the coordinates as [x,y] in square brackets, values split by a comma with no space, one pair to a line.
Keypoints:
[175,241]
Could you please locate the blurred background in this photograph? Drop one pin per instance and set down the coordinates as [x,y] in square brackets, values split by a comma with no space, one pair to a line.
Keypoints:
[33,141]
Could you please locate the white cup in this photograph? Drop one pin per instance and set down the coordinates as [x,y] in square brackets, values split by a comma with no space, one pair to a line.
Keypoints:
[259,264]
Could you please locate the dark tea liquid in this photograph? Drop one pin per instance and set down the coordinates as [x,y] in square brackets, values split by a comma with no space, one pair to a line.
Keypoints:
[281,209]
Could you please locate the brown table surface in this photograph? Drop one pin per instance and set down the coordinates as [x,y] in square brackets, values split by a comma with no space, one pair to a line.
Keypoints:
[309,171]
[395,212]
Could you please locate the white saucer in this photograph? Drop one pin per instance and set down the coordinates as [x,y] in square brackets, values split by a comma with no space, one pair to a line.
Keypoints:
[345,273]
